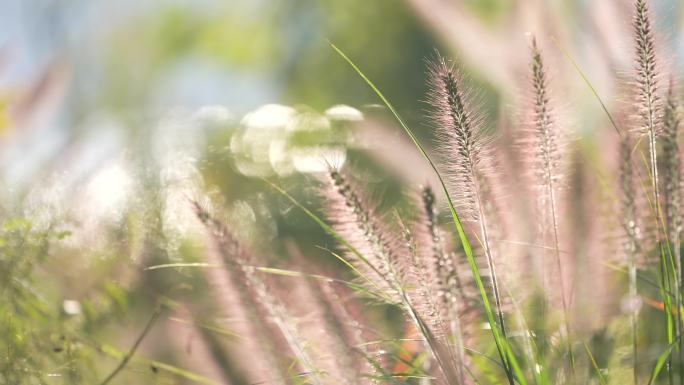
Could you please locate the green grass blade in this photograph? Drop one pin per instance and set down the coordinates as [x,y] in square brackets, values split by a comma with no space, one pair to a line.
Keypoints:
[183,264]
[602,380]
[182,373]
[211,328]
[539,371]
[661,361]
[588,83]
[277,271]
[502,344]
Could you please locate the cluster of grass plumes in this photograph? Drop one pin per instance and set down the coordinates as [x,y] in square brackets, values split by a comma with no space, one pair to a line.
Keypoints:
[480,310]
[468,277]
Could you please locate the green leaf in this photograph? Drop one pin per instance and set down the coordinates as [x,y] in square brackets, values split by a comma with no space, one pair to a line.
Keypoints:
[602,380]
[661,361]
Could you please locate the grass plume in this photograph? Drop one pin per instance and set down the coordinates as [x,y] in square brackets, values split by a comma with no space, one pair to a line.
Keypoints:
[545,143]
[465,154]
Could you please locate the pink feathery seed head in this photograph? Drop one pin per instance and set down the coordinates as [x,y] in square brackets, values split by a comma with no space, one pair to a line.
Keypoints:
[544,142]
[331,320]
[258,296]
[467,162]
[448,283]
[360,225]
[225,240]
[648,119]
[647,73]
[458,129]
[418,285]
[245,297]
[437,263]
[319,326]
[389,262]
[543,145]
[357,326]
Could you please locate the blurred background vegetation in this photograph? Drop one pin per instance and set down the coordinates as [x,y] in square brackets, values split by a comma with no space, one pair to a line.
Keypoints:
[113,114]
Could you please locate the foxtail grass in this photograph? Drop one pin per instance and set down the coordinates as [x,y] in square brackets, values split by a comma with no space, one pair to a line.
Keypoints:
[546,145]
[465,156]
